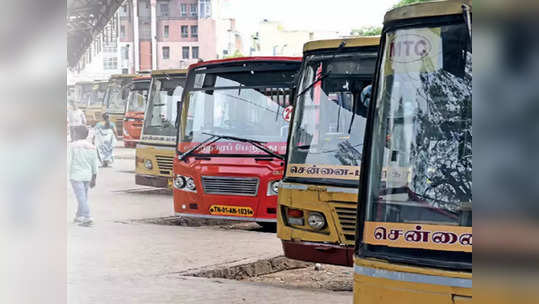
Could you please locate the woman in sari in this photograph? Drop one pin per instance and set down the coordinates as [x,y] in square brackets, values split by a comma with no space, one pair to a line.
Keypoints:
[105,139]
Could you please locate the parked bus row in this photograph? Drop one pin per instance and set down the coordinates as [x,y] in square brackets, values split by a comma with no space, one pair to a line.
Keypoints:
[123,97]
[359,152]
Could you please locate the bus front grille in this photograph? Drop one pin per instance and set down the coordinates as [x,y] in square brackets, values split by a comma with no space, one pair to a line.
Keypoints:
[164,163]
[347,221]
[230,185]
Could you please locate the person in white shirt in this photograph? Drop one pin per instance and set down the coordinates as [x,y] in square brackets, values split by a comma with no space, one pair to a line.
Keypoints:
[75,117]
[82,165]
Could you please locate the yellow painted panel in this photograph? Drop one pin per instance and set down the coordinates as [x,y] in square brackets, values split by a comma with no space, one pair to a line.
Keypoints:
[151,153]
[371,290]
[373,263]
[309,200]
[425,236]
[427,9]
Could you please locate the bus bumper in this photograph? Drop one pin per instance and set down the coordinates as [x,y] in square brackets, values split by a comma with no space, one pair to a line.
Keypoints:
[153,181]
[320,253]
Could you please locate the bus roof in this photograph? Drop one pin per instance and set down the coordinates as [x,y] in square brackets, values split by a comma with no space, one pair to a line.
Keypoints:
[169,72]
[91,82]
[335,43]
[123,76]
[427,9]
[243,59]
[142,77]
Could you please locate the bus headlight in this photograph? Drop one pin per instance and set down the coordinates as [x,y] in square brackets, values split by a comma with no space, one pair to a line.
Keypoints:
[148,164]
[190,184]
[179,182]
[184,183]
[273,187]
[316,220]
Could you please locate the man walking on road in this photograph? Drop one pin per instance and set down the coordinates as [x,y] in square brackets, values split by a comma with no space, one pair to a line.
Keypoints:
[75,118]
[82,172]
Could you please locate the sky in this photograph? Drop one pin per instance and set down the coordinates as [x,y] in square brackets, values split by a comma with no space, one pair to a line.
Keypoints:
[334,15]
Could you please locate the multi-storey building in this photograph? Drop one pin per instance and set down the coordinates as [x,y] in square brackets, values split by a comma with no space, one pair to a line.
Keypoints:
[158,34]
[166,34]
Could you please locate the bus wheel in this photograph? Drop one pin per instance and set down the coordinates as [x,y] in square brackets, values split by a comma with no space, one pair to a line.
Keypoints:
[270,227]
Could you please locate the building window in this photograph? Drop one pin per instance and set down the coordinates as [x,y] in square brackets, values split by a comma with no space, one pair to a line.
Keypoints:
[110,63]
[194,10]
[205,8]
[183,9]
[194,31]
[194,52]
[166,52]
[185,32]
[123,11]
[110,47]
[165,31]
[122,31]
[185,52]
[125,52]
[163,8]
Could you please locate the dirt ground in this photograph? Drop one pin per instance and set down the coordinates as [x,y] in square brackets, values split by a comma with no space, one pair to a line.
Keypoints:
[335,278]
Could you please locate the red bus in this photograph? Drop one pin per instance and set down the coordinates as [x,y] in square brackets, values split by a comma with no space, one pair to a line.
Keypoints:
[232,136]
[134,110]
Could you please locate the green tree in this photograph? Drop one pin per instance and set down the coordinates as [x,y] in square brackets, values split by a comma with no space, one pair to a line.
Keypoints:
[408,2]
[236,54]
[367,31]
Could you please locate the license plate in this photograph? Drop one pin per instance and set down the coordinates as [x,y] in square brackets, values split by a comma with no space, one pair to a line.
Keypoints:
[231,210]
[170,183]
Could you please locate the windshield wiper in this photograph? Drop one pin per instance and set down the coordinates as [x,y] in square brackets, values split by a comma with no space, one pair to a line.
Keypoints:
[326,74]
[210,140]
[256,143]
[314,82]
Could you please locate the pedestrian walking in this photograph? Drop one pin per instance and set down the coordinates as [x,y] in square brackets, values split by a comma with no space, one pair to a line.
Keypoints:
[75,118]
[105,139]
[82,172]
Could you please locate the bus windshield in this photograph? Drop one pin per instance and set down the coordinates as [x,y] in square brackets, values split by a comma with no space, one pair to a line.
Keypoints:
[331,112]
[246,105]
[136,102]
[421,162]
[117,96]
[96,94]
[84,92]
[161,112]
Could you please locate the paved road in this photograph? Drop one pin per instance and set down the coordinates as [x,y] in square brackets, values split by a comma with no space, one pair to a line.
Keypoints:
[120,261]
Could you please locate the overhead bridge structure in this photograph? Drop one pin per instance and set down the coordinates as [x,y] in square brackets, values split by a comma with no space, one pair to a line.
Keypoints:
[85,20]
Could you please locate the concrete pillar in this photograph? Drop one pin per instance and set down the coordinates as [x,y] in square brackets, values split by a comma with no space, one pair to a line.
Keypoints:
[136,41]
[153,23]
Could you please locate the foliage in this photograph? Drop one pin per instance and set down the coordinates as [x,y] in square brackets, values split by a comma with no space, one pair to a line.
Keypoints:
[367,31]
[236,54]
[408,2]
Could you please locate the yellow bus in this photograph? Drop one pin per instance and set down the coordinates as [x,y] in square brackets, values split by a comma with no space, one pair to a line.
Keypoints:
[90,97]
[156,148]
[116,98]
[318,194]
[414,236]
